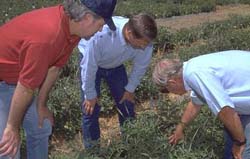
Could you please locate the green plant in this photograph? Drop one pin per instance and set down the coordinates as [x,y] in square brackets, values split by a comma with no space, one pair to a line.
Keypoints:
[12,8]
[146,136]
[164,8]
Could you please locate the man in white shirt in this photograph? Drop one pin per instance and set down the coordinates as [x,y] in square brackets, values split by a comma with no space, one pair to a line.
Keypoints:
[103,57]
[222,81]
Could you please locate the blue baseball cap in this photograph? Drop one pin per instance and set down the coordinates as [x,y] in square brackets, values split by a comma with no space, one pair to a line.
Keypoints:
[103,8]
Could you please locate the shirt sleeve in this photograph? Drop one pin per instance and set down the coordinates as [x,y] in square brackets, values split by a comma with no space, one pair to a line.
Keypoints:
[63,60]
[208,88]
[196,100]
[140,64]
[34,64]
[66,55]
[89,66]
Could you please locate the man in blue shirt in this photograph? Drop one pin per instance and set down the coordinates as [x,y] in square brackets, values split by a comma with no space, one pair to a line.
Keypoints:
[103,57]
[220,80]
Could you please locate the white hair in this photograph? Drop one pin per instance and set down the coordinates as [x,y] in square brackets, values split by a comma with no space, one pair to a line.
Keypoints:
[76,10]
[165,69]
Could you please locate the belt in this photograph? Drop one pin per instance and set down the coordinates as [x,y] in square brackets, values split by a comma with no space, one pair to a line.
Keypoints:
[110,69]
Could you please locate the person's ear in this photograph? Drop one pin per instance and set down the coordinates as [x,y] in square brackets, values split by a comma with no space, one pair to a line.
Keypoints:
[127,33]
[86,18]
[172,81]
[128,30]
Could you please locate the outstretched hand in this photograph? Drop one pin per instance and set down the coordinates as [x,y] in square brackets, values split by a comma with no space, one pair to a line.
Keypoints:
[177,135]
[10,142]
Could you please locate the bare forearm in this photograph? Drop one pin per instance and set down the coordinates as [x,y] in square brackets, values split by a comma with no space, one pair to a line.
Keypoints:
[51,77]
[190,113]
[20,101]
[232,122]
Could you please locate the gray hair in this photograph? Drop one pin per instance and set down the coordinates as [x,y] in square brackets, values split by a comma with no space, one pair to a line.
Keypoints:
[76,10]
[165,69]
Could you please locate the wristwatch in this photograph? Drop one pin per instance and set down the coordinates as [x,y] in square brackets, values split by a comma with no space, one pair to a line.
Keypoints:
[183,124]
[239,143]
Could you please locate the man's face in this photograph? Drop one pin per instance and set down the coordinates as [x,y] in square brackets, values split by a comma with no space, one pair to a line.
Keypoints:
[175,86]
[88,26]
[136,42]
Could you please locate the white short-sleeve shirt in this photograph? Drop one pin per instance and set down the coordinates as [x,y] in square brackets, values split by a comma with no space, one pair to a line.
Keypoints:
[219,79]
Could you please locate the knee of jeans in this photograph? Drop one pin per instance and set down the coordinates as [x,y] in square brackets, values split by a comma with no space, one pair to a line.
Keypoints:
[90,119]
[94,115]
[37,132]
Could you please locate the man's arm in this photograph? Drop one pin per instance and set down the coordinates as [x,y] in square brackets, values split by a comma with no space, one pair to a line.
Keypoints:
[19,104]
[218,100]
[140,65]
[90,51]
[43,95]
[232,122]
[189,114]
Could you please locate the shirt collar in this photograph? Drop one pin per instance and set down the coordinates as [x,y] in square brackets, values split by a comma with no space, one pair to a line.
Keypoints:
[121,35]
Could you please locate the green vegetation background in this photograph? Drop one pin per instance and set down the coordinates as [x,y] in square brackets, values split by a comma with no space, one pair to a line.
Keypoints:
[146,137]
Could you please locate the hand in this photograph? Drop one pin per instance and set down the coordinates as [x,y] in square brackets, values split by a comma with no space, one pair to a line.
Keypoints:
[177,135]
[237,151]
[127,96]
[44,113]
[10,142]
[89,105]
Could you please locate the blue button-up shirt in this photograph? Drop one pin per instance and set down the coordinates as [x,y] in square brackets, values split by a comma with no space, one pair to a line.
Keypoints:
[220,79]
[108,49]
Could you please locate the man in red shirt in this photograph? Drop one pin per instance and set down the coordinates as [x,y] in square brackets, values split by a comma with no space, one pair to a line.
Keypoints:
[33,48]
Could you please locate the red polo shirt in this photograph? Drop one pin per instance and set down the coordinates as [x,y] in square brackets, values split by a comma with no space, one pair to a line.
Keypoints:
[33,42]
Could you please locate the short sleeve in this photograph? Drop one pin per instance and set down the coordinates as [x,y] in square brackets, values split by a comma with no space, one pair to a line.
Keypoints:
[208,88]
[195,99]
[63,59]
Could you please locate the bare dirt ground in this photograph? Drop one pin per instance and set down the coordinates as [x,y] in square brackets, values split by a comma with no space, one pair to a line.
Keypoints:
[187,21]
[110,125]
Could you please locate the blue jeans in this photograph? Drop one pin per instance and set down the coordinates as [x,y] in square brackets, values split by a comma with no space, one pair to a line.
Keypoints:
[36,138]
[116,79]
[245,120]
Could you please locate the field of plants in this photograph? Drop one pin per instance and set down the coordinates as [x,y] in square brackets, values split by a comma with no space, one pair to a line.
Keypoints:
[145,137]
